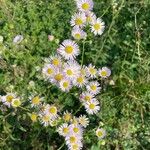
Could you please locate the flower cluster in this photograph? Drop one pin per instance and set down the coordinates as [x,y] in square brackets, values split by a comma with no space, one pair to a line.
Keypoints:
[63,70]
[85,17]
[47,114]
[72,130]
[10,100]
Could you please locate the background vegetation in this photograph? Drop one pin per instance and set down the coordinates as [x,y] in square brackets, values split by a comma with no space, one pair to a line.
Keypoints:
[124,47]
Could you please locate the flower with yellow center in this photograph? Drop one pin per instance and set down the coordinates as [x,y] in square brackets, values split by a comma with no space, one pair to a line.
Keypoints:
[33,117]
[100,133]
[68,49]
[7,99]
[48,70]
[91,71]
[56,62]
[67,116]
[72,139]
[16,102]
[45,119]
[83,120]
[85,5]
[58,77]
[63,129]
[92,107]
[90,17]
[35,101]
[104,72]
[52,110]
[65,85]
[97,26]
[86,97]
[79,19]
[93,87]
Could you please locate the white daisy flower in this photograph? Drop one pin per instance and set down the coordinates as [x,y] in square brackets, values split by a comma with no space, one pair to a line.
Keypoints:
[104,72]
[57,77]
[78,33]
[83,120]
[72,139]
[76,129]
[51,110]
[76,146]
[93,87]
[100,133]
[7,99]
[16,102]
[80,81]
[71,69]
[56,60]
[92,107]
[78,19]
[85,5]
[91,71]
[69,49]
[48,70]
[35,101]
[63,129]
[67,116]
[65,85]
[90,17]
[98,26]
[44,119]
[86,97]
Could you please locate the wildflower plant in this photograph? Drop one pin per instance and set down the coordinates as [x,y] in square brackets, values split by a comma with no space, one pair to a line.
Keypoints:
[53,76]
[65,72]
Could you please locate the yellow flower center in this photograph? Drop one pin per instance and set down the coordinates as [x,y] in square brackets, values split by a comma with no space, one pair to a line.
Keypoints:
[69,49]
[16,103]
[93,87]
[80,80]
[55,62]
[75,147]
[77,36]
[36,100]
[85,6]
[69,72]
[97,26]
[92,71]
[49,70]
[72,139]
[65,84]
[33,117]
[65,130]
[87,98]
[76,130]
[91,106]
[67,117]
[58,77]
[99,133]
[46,118]
[103,73]
[9,98]
[53,110]
[78,21]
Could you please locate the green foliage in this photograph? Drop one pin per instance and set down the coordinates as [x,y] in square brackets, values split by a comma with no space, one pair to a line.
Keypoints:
[124,47]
